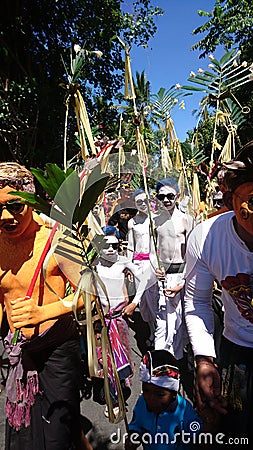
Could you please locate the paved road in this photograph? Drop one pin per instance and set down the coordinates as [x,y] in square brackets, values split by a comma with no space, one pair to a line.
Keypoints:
[102,434]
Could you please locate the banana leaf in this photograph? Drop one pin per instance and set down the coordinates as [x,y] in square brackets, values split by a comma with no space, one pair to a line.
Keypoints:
[64,189]
[51,179]
[95,185]
[34,201]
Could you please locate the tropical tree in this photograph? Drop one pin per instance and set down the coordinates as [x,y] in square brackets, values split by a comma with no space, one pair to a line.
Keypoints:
[229,24]
[36,40]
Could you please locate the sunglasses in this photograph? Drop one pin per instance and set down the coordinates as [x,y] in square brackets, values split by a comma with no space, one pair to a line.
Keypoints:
[107,245]
[169,196]
[140,202]
[250,203]
[12,207]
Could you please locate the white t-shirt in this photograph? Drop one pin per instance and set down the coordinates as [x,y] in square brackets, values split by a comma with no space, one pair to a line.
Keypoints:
[215,251]
[114,279]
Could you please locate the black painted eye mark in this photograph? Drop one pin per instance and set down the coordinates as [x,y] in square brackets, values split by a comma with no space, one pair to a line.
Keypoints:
[244,213]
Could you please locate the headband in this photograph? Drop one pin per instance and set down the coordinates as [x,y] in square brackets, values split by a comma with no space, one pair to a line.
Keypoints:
[156,368]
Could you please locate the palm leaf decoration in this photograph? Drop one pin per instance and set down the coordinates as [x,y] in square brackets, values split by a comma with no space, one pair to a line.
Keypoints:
[73,96]
[69,206]
[192,155]
[219,85]
[225,76]
[164,101]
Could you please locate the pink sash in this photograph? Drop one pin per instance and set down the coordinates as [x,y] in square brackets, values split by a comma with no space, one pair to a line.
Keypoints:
[141,256]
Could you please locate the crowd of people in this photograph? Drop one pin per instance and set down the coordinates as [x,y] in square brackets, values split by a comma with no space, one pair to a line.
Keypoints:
[154,257]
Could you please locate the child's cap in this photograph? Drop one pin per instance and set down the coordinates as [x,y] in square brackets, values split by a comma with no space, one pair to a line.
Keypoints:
[110,230]
[159,367]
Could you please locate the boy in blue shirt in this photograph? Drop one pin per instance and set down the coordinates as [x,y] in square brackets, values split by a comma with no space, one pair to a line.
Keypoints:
[162,419]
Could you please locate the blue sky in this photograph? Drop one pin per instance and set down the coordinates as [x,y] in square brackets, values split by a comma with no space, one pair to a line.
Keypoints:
[168,59]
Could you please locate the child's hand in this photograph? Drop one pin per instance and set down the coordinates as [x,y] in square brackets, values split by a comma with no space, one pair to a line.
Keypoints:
[172,292]
[129,309]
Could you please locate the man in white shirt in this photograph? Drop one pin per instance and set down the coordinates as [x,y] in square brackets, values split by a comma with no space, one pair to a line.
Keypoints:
[221,248]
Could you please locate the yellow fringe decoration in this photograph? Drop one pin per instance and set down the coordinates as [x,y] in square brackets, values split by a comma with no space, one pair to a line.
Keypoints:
[129,93]
[195,195]
[103,159]
[122,158]
[181,184]
[165,158]
[141,148]
[226,152]
[179,162]
[83,125]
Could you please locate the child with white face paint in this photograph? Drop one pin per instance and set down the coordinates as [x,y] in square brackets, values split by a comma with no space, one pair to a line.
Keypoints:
[111,267]
[172,228]
[140,250]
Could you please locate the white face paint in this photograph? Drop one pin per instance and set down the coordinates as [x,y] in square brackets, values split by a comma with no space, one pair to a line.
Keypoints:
[167,197]
[141,203]
[110,248]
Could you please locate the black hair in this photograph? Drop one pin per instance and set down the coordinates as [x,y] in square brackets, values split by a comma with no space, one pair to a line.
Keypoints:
[137,192]
[162,357]
[171,182]
[238,170]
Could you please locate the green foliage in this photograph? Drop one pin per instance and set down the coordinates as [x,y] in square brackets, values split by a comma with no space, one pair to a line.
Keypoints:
[193,156]
[51,179]
[164,101]
[67,207]
[230,23]
[227,74]
[36,37]
[139,24]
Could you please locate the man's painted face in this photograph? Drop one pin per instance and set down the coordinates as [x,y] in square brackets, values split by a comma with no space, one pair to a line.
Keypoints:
[167,196]
[141,203]
[243,206]
[110,247]
[14,217]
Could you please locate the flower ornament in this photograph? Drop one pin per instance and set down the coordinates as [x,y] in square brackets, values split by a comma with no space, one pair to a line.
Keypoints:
[77,48]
